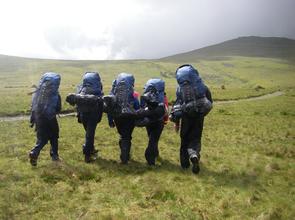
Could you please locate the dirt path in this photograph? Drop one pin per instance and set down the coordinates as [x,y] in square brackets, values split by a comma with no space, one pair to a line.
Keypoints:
[26,117]
[267,96]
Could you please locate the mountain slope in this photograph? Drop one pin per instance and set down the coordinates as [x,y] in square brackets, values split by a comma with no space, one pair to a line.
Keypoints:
[271,47]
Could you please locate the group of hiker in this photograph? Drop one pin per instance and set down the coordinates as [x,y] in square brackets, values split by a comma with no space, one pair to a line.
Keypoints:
[125,110]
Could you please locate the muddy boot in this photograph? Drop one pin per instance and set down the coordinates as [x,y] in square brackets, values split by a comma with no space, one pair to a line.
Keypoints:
[125,151]
[33,158]
[195,163]
[94,154]
[124,157]
[55,157]
[89,158]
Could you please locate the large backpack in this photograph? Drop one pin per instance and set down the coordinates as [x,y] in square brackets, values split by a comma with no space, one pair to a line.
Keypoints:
[123,95]
[153,95]
[154,91]
[192,91]
[89,92]
[45,99]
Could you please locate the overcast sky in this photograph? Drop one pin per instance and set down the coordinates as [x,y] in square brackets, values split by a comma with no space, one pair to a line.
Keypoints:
[128,29]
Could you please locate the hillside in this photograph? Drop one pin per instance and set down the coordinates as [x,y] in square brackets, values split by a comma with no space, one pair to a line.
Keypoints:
[269,47]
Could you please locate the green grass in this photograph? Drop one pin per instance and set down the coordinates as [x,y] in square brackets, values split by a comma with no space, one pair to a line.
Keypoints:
[247,170]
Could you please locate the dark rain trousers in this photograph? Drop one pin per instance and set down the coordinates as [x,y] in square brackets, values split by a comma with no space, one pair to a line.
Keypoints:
[154,131]
[190,134]
[46,130]
[89,121]
[125,128]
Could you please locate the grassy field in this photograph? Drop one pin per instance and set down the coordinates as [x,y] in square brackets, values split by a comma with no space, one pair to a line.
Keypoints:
[247,165]
[247,170]
[240,76]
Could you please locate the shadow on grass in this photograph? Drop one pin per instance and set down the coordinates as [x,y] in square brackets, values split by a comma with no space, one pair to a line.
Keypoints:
[228,178]
[132,168]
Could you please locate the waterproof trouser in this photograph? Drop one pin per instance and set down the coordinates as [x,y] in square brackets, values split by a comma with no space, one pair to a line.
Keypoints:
[125,128]
[154,132]
[190,134]
[46,130]
[89,121]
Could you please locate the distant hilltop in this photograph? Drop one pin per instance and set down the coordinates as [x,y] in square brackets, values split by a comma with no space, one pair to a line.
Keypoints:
[270,47]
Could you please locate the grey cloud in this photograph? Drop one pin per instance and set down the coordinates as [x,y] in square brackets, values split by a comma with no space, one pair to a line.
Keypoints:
[65,39]
[169,27]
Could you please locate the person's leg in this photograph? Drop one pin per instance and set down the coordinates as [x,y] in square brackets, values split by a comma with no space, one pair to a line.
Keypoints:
[88,150]
[54,134]
[184,136]
[54,149]
[194,147]
[195,136]
[154,132]
[42,139]
[40,143]
[90,134]
[125,128]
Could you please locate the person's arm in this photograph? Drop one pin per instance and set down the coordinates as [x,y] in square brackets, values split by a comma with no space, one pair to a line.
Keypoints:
[177,102]
[178,96]
[58,106]
[102,90]
[208,95]
[110,118]
[142,102]
[157,112]
[136,105]
[111,121]
[32,119]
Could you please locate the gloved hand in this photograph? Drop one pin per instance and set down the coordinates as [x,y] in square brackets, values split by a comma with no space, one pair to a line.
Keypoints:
[79,117]
[32,120]
[71,99]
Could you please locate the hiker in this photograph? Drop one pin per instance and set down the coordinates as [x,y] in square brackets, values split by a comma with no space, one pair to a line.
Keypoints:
[120,106]
[151,115]
[193,103]
[89,110]
[46,103]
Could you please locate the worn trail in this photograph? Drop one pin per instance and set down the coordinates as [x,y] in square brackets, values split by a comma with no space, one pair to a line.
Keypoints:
[267,96]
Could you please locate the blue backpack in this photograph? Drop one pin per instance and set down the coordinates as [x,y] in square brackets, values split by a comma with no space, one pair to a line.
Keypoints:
[45,99]
[89,93]
[120,102]
[154,91]
[191,86]
[192,91]
[91,84]
[123,89]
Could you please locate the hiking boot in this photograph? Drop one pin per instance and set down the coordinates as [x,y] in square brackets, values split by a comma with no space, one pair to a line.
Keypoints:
[55,157]
[33,158]
[94,154]
[151,163]
[124,157]
[195,163]
[89,158]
